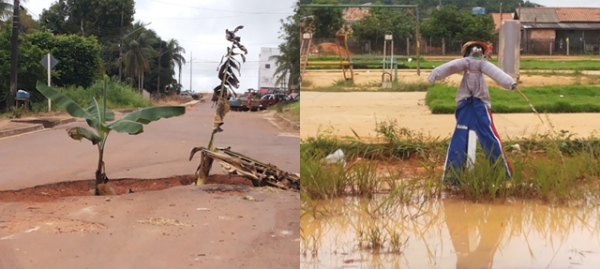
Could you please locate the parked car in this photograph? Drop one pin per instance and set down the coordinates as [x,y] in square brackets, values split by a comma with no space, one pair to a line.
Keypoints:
[240,103]
[293,97]
[270,99]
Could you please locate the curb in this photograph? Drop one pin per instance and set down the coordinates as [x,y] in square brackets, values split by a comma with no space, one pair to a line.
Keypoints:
[47,123]
[287,122]
[191,103]
[18,131]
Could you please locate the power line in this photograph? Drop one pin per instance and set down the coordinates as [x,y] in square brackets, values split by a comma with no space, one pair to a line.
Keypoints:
[212,9]
[220,17]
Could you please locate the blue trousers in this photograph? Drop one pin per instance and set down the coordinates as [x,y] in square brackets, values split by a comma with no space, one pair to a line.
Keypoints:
[472,114]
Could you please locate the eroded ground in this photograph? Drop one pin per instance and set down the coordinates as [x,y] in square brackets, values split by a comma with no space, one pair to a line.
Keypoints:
[210,226]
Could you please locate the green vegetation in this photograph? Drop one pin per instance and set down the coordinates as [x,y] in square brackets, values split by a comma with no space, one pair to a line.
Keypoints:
[555,169]
[451,23]
[288,62]
[85,37]
[369,62]
[102,120]
[291,111]
[79,61]
[119,95]
[547,99]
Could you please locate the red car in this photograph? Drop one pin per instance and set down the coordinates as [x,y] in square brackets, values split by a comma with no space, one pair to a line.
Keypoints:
[270,99]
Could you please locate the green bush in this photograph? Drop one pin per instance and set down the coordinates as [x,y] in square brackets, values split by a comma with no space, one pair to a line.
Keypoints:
[119,95]
[546,99]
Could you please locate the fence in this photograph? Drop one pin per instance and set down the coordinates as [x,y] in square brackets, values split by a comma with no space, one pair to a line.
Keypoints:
[433,47]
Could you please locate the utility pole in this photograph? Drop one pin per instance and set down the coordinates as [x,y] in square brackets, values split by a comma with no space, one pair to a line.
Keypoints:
[418,44]
[191,62]
[121,49]
[14,57]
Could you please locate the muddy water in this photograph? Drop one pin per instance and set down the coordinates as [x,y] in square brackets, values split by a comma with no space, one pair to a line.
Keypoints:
[449,234]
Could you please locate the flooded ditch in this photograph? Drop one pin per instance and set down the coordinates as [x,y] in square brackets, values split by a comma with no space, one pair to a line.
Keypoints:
[448,233]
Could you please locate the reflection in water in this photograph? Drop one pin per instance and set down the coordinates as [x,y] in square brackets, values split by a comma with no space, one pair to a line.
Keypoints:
[449,234]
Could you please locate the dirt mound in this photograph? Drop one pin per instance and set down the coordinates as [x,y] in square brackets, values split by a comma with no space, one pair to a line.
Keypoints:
[327,48]
[50,192]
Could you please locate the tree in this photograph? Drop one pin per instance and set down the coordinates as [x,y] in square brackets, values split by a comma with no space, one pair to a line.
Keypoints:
[138,50]
[288,61]
[88,17]
[29,71]
[327,21]
[99,119]
[168,56]
[176,55]
[451,23]
[79,61]
[379,20]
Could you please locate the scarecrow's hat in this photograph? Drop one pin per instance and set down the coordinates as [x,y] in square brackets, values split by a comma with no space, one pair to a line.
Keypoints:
[472,46]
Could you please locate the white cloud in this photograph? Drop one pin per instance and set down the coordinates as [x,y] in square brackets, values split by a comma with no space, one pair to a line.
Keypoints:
[199,26]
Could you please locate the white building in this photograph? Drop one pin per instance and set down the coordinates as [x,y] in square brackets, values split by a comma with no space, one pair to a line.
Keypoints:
[266,69]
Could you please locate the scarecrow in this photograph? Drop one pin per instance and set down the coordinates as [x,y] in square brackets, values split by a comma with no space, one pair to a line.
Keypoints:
[474,109]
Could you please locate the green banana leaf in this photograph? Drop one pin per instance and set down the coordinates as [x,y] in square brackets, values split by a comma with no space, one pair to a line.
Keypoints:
[132,122]
[78,133]
[147,115]
[127,126]
[63,101]
[94,114]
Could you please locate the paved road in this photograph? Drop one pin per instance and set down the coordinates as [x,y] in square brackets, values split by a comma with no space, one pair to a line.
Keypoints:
[161,151]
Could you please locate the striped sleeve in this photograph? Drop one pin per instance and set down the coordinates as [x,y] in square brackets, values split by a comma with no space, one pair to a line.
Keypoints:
[497,75]
[447,69]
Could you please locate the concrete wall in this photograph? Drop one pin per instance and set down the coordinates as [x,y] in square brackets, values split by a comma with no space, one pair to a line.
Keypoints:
[267,68]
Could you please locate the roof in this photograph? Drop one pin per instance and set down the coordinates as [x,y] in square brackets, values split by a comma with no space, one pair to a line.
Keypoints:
[353,14]
[563,25]
[578,14]
[497,21]
[537,14]
[557,14]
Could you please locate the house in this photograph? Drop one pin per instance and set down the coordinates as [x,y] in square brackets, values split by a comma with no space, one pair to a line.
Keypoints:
[549,29]
[499,17]
[266,70]
[353,14]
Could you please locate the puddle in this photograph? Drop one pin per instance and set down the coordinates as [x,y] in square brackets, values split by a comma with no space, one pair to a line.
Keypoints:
[449,234]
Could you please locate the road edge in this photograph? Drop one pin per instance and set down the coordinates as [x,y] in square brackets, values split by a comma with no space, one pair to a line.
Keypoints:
[37,126]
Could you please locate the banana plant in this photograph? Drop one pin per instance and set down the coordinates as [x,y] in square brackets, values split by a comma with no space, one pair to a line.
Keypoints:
[101,120]
[222,92]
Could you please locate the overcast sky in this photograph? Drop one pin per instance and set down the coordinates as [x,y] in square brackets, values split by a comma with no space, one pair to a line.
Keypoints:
[199,26]
[566,3]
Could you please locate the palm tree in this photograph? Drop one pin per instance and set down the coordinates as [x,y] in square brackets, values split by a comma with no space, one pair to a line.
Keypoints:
[176,55]
[138,51]
[6,10]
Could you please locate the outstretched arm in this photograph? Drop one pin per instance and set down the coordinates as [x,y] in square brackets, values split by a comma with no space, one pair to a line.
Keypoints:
[447,69]
[498,76]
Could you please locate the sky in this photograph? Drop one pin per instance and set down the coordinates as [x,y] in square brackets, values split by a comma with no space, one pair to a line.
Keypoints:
[199,26]
[570,3]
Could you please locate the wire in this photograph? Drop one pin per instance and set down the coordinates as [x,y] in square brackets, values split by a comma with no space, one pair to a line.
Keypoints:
[212,9]
[220,17]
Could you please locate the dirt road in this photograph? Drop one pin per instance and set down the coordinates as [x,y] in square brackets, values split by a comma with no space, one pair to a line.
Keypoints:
[161,151]
[181,227]
[362,110]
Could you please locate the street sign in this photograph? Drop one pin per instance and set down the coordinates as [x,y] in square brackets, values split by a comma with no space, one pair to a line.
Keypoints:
[53,61]
[49,62]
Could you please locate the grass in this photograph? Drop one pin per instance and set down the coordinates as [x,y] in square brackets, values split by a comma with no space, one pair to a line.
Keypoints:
[554,169]
[526,64]
[546,99]
[119,96]
[290,111]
